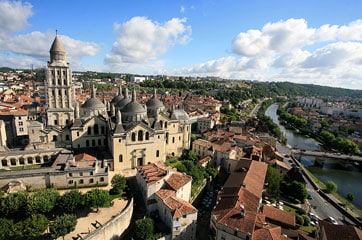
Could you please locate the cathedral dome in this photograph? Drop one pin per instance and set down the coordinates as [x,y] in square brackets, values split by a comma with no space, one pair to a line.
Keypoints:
[124,101]
[94,106]
[93,103]
[154,106]
[117,98]
[133,111]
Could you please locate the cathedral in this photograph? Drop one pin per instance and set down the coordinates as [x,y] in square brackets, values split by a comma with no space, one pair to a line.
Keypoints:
[133,134]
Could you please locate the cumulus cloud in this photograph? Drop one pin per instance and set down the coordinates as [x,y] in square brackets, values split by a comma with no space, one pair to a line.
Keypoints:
[23,50]
[290,50]
[141,40]
[37,45]
[14,16]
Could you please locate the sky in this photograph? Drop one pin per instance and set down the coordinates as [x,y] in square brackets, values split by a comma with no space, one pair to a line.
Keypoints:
[301,41]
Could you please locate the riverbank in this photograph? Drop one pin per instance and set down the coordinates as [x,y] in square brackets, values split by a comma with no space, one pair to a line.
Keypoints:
[352,213]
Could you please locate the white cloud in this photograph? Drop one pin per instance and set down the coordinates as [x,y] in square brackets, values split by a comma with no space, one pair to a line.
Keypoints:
[37,46]
[141,40]
[292,51]
[14,16]
[182,9]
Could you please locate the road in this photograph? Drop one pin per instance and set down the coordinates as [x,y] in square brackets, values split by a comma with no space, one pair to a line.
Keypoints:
[317,205]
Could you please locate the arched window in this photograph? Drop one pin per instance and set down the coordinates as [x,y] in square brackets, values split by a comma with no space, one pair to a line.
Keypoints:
[133,137]
[95,128]
[147,135]
[120,159]
[161,123]
[54,138]
[166,138]
[140,135]
[165,124]
[89,130]
[157,153]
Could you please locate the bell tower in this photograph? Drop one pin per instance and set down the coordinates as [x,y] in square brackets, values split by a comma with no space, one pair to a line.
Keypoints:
[59,87]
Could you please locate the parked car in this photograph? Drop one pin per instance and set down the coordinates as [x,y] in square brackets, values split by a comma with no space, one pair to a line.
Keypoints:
[332,220]
[309,196]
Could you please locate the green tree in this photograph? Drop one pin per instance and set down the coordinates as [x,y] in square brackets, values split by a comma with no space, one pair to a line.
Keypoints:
[97,198]
[143,229]
[190,155]
[63,225]
[14,204]
[350,197]
[331,187]
[119,183]
[42,201]
[6,228]
[298,191]
[32,227]
[273,180]
[70,201]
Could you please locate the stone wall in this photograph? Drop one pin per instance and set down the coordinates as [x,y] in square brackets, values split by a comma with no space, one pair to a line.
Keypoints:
[114,228]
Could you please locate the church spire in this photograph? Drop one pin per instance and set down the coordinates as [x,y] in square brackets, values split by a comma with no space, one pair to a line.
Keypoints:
[93,93]
[57,52]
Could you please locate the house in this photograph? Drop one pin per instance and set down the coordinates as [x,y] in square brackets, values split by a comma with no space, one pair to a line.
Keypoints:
[329,231]
[179,215]
[235,215]
[279,217]
[166,193]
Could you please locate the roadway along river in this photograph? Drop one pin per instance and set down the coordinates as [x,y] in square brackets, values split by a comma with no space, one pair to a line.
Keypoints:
[348,181]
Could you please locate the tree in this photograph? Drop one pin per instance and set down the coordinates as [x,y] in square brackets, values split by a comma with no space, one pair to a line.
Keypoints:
[273,180]
[190,155]
[63,225]
[119,183]
[97,198]
[32,227]
[298,191]
[42,201]
[6,228]
[350,197]
[143,229]
[14,204]
[70,201]
[331,187]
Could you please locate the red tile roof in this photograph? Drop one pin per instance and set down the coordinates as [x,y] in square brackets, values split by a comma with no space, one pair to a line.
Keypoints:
[177,206]
[153,172]
[279,215]
[337,232]
[178,180]
[84,156]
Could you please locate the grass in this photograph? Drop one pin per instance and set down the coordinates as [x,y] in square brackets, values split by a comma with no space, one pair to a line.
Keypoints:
[308,229]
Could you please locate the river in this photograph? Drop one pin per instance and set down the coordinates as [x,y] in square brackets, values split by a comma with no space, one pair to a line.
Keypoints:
[348,181]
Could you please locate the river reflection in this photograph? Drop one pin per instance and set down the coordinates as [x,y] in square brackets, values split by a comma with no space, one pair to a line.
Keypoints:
[293,139]
[348,181]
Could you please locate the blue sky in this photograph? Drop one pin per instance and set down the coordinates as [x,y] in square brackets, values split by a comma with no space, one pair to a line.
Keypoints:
[318,42]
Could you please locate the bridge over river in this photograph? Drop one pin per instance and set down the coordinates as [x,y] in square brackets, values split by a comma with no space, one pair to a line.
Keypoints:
[342,159]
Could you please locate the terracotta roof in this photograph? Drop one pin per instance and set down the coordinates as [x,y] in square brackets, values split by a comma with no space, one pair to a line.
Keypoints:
[178,180]
[337,232]
[280,164]
[84,156]
[152,172]
[203,160]
[279,215]
[19,112]
[268,234]
[177,206]
[250,174]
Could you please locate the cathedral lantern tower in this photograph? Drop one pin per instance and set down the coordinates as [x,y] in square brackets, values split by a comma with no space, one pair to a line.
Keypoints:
[59,87]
